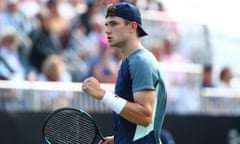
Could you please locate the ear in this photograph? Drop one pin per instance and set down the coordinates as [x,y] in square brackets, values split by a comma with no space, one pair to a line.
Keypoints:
[134,26]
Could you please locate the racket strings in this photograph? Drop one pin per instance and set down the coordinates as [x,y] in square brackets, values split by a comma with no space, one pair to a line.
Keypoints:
[70,128]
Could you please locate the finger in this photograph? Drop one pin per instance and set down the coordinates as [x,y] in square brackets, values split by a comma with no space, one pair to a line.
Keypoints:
[101,142]
[85,87]
[85,80]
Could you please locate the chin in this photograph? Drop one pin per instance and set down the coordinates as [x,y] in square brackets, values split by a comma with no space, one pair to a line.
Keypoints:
[112,45]
[116,44]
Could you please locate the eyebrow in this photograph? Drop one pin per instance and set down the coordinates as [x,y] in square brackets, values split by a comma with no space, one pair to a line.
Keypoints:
[111,21]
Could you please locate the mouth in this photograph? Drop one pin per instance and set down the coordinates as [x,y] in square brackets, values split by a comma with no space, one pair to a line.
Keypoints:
[109,38]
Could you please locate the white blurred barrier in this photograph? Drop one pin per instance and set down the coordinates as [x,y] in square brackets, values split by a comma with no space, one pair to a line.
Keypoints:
[183,83]
[181,79]
[41,96]
[220,101]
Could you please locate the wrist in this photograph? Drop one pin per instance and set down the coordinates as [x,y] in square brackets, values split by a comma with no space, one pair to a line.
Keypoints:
[114,102]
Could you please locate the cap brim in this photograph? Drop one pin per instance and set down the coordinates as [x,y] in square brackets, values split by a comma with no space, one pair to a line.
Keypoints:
[141,31]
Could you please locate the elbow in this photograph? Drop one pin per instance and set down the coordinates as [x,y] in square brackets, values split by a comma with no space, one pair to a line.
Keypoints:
[146,121]
[146,118]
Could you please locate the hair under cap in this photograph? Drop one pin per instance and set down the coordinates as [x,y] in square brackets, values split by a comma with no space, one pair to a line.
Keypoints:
[127,11]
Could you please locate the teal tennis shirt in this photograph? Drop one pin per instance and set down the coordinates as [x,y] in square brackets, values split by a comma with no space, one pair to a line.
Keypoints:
[140,71]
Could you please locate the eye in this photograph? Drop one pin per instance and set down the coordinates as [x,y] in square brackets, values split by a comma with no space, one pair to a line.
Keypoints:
[113,23]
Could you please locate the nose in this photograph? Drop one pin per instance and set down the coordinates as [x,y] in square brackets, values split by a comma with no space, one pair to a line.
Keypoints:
[107,30]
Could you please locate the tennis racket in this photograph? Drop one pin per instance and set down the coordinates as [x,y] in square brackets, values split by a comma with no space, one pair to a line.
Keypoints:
[70,126]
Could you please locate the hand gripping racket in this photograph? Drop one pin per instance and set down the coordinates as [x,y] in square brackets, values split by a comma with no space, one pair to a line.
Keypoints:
[70,126]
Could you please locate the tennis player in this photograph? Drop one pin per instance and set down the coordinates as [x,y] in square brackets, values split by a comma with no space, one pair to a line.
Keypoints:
[139,101]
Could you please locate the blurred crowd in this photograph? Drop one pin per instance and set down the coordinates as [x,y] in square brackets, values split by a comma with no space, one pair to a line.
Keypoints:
[55,40]
[64,40]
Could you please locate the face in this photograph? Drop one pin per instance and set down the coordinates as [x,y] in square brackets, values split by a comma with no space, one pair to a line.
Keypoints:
[117,30]
[9,43]
[54,73]
[12,7]
[228,75]
[207,76]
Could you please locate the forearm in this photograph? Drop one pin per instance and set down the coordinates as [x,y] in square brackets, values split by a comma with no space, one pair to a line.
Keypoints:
[136,113]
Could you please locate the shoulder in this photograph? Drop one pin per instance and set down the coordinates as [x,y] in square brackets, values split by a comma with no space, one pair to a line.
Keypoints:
[141,55]
[142,59]
[143,63]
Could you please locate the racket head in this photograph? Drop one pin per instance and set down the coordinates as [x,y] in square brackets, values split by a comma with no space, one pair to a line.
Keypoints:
[70,126]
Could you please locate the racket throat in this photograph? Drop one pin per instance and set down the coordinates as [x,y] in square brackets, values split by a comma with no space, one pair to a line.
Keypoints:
[46,140]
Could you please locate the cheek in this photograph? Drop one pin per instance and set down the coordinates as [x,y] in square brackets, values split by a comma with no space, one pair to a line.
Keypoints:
[119,29]
[115,30]
[120,33]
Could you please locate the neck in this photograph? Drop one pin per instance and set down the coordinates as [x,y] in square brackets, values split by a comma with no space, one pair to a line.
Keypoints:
[130,47]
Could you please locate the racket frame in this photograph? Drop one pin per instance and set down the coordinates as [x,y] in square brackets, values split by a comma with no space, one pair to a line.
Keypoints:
[53,113]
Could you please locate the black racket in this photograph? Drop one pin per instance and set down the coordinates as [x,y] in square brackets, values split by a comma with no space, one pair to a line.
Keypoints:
[70,126]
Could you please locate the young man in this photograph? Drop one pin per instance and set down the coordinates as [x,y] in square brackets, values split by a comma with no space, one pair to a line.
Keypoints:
[139,101]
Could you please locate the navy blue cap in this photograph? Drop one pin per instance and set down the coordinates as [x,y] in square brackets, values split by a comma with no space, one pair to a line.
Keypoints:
[127,11]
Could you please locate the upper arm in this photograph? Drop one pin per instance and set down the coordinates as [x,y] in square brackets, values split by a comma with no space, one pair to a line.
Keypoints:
[143,82]
[145,98]
[143,74]
[141,110]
